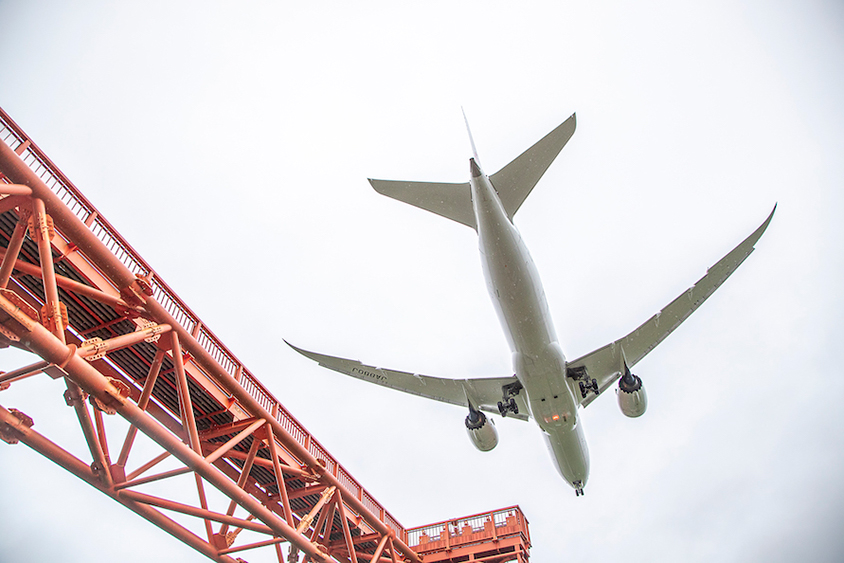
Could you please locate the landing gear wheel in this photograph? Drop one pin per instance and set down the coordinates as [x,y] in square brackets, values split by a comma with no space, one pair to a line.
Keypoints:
[508,405]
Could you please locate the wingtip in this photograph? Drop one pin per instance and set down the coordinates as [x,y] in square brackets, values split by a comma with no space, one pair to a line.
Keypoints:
[770,216]
[757,234]
[374,183]
[299,350]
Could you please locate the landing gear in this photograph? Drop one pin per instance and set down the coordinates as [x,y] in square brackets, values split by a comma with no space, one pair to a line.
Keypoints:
[508,406]
[508,402]
[587,386]
[578,488]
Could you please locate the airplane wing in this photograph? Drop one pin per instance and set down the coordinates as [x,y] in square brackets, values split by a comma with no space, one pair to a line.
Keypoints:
[606,364]
[484,393]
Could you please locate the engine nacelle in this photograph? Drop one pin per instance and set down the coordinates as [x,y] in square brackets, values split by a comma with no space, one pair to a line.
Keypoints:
[632,399]
[481,430]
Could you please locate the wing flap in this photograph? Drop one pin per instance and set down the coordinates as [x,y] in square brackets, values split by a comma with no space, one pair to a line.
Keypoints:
[606,364]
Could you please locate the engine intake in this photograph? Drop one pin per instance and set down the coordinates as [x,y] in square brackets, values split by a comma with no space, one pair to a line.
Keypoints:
[632,399]
[481,430]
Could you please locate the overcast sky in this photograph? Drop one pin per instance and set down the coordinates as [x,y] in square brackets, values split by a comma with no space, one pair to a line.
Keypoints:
[230,143]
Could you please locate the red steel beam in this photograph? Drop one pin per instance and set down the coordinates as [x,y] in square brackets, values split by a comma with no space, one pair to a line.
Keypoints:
[45,344]
[101,256]
[64,459]
[113,301]
[192,511]
[10,202]
[146,393]
[10,254]
[52,305]
[15,189]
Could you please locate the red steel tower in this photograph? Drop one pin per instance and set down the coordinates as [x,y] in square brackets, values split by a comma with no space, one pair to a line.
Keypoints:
[78,296]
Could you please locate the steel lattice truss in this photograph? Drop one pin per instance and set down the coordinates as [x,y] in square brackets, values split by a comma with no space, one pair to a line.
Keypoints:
[73,292]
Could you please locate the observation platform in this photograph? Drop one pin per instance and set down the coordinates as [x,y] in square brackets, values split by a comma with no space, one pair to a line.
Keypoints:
[491,537]
[137,361]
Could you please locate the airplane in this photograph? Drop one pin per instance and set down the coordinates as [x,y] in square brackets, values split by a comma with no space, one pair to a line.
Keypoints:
[545,386]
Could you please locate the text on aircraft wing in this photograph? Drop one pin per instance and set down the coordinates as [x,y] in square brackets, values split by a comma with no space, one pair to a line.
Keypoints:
[483,392]
[606,364]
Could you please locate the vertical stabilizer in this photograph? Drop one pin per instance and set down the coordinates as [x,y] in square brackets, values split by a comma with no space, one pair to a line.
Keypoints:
[471,139]
[513,183]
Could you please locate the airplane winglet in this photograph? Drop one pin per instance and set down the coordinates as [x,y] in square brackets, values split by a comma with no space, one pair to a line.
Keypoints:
[758,233]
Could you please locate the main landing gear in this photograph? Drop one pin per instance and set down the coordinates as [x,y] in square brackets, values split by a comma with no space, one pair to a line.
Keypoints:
[508,404]
[587,384]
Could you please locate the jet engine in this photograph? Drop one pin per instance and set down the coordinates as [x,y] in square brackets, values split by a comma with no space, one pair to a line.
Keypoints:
[481,430]
[632,399]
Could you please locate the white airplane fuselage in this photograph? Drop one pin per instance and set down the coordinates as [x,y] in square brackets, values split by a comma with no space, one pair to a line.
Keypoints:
[538,361]
[545,386]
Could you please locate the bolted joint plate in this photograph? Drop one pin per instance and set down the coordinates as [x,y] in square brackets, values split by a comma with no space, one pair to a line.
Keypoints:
[10,327]
[10,431]
[137,292]
[97,346]
[54,318]
[44,227]
[111,400]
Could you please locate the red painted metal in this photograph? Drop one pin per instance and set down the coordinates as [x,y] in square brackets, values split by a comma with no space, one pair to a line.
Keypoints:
[125,343]
[493,537]
[115,258]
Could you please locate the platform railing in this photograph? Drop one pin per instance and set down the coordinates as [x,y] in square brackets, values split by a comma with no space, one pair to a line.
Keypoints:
[50,174]
[476,528]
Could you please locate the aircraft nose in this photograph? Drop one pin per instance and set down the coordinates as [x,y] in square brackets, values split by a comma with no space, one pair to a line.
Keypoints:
[474,168]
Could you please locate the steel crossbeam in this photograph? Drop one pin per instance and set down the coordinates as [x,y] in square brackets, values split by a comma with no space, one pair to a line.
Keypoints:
[95,323]
[140,367]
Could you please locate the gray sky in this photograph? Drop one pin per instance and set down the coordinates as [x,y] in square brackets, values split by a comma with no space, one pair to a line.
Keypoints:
[230,144]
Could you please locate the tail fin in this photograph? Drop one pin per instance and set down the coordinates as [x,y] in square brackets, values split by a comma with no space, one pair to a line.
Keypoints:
[513,183]
[471,139]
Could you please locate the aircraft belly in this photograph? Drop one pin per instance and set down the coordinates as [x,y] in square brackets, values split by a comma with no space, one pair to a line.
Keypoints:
[513,281]
[570,454]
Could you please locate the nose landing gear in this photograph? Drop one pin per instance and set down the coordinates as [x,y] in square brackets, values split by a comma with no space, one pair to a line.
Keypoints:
[578,488]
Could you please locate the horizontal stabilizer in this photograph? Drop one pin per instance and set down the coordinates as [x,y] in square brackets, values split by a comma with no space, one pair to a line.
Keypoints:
[515,181]
[606,364]
[484,393]
[453,201]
